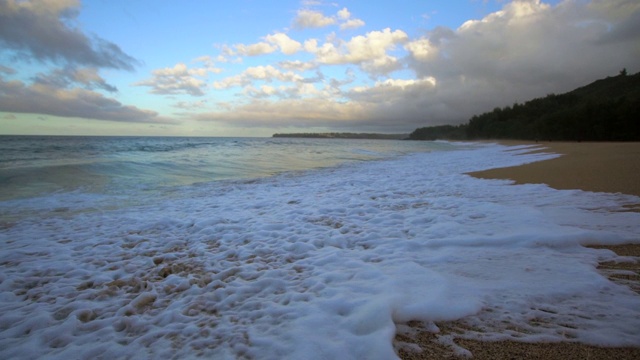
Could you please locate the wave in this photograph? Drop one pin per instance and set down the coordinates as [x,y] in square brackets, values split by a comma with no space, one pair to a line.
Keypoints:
[33,166]
[257,268]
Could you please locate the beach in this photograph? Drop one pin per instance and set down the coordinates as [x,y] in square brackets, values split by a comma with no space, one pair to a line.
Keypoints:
[591,166]
[125,252]
[597,167]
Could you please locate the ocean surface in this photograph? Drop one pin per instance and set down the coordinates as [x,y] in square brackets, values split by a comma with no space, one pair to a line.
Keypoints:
[32,166]
[135,247]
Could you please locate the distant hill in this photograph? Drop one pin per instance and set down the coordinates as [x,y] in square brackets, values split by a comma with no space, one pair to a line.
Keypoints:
[345,136]
[605,110]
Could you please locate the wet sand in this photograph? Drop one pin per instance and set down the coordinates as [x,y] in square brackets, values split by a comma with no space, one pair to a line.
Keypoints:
[599,167]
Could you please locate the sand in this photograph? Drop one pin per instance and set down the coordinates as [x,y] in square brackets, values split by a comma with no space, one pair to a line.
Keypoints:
[601,167]
[598,167]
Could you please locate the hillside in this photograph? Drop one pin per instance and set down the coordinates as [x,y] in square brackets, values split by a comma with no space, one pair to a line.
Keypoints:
[605,110]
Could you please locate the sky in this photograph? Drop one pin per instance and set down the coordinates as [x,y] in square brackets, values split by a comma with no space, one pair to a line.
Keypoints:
[255,67]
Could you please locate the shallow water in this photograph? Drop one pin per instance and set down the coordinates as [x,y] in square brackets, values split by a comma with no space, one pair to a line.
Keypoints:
[312,262]
[32,166]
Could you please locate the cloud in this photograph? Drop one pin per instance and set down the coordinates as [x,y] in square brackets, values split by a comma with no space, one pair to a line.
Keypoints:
[421,49]
[311,19]
[45,99]
[7,70]
[297,65]
[395,99]
[264,91]
[272,43]
[306,19]
[358,109]
[320,112]
[527,49]
[368,51]
[191,105]
[40,30]
[348,23]
[260,48]
[314,112]
[260,73]
[625,19]
[88,78]
[180,79]
[287,45]
[351,24]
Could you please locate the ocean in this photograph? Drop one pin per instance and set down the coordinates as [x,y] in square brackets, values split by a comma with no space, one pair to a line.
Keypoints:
[142,247]
[32,165]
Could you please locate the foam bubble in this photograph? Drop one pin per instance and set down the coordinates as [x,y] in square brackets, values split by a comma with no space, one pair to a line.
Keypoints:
[321,264]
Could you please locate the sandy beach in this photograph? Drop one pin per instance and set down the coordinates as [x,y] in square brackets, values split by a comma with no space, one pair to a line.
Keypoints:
[597,167]
[591,166]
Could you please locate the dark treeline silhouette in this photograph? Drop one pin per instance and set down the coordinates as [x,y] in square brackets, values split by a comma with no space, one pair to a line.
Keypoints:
[450,132]
[605,110]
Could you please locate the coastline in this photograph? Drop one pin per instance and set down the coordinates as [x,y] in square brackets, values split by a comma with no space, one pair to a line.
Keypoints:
[591,166]
[598,167]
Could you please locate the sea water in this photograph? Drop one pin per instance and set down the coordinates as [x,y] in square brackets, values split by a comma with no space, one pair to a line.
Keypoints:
[32,165]
[293,248]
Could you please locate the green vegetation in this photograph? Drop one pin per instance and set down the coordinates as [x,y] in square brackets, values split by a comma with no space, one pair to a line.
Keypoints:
[450,132]
[345,136]
[605,110]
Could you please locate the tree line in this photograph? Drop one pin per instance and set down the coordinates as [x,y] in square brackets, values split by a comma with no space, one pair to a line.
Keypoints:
[605,110]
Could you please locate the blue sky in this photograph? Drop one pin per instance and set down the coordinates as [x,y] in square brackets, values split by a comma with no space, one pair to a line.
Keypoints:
[253,68]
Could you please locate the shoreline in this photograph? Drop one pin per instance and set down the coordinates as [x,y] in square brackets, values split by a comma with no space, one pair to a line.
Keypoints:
[612,167]
[598,167]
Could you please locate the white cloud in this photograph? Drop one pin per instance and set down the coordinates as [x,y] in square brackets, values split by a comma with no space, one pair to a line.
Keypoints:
[287,45]
[315,19]
[351,24]
[180,79]
[348,23]
[297,65]
[311,19]
[209,65]
[344,14]
[311,45]
[383,65]
[268,90]
[271,43]
[368,51]
[297,91]
[421,49]
[256,49]
[369,47]
[258,73]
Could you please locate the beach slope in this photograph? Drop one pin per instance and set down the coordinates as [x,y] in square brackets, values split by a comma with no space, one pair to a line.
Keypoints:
[597,167]
[591,166]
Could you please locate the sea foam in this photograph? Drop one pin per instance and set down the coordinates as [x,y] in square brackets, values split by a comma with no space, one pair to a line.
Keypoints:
[321,264]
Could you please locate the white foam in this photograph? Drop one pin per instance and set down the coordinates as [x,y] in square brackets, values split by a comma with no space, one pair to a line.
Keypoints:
[319,265]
